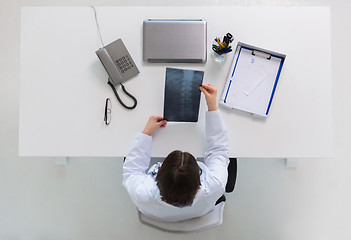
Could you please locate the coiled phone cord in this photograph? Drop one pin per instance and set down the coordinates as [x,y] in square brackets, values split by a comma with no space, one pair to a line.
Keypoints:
[126,92]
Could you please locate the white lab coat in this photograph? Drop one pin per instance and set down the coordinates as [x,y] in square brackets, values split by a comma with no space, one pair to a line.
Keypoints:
[144,192]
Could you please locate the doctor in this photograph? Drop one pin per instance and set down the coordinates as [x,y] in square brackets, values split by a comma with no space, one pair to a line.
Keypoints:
[179,188]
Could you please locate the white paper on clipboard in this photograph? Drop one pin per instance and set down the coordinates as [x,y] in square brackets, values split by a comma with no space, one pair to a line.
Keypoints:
[254,72]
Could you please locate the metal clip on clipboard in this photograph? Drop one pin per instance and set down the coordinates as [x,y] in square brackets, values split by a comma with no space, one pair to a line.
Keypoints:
[261,54]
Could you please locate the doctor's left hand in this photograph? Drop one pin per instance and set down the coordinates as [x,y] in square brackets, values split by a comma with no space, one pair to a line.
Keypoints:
[154,123]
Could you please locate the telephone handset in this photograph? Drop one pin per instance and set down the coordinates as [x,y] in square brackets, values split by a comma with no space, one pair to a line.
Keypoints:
[120,67]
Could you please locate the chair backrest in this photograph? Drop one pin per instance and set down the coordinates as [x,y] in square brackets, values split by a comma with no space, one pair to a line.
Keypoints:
[210,220]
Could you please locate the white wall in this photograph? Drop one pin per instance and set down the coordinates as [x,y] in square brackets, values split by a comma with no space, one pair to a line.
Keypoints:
[85,199]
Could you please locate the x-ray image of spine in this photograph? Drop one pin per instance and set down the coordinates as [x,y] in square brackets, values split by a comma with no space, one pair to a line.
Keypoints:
[182,95]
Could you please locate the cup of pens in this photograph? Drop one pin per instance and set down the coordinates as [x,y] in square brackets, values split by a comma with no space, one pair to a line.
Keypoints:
[222,47]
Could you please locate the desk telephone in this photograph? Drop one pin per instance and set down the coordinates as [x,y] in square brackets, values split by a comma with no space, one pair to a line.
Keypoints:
[120,67]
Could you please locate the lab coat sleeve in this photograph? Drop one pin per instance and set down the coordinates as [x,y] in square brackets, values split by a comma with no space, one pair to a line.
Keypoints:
[217,150]
[136,163]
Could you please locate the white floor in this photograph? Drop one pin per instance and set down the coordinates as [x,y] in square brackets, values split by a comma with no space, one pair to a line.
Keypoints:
[85,199]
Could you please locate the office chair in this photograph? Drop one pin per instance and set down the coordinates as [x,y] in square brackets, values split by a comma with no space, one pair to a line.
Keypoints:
[210,220]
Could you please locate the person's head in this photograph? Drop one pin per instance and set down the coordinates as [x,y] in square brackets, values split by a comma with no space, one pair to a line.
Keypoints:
[178,178]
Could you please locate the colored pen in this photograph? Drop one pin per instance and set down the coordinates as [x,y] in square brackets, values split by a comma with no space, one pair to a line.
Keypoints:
[220,43]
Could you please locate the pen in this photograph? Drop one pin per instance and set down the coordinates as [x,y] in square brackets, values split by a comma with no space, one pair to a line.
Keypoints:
[220,43]
[226,41]
[226,50]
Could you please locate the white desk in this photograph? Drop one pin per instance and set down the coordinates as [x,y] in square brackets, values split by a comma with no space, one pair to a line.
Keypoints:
[63,85]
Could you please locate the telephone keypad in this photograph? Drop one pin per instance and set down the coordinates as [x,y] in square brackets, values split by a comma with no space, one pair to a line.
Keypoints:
[124,63]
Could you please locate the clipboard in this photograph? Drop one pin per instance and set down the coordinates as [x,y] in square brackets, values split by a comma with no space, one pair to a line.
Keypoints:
[252,80]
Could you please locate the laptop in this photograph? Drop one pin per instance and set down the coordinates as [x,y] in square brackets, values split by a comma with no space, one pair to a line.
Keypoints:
[175,41]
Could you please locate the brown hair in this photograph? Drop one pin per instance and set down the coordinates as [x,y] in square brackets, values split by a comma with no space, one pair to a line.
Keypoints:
[178,178]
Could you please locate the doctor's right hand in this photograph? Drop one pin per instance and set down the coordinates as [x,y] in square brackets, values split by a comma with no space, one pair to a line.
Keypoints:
[210,93]
[154,123]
